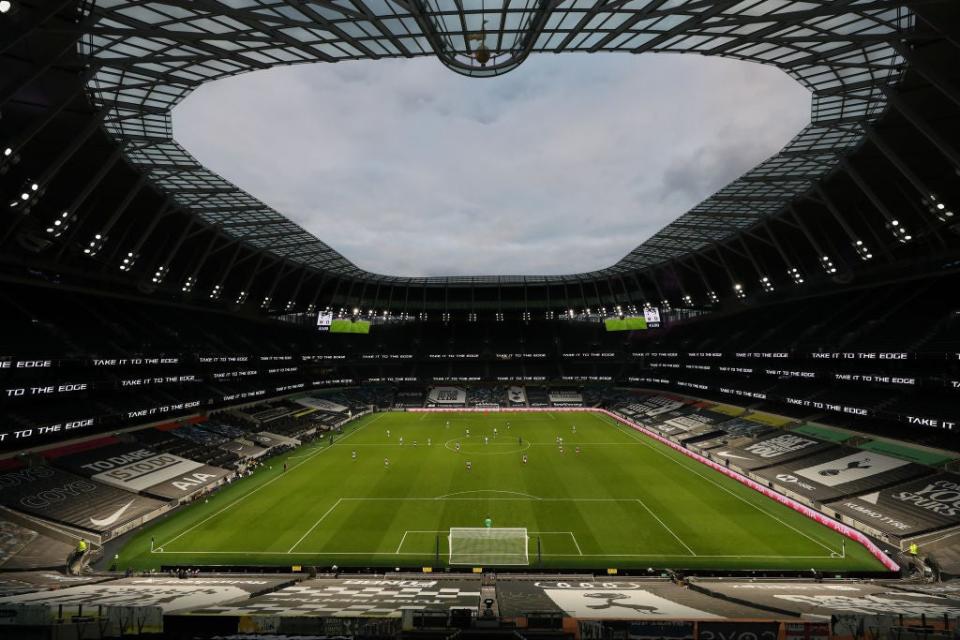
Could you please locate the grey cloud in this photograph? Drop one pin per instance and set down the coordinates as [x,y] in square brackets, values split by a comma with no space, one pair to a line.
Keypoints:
[562,166]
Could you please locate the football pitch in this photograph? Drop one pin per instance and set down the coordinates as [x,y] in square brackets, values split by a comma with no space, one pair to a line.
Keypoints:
[610,497]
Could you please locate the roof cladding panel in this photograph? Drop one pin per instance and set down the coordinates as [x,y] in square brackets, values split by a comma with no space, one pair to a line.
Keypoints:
[151,54]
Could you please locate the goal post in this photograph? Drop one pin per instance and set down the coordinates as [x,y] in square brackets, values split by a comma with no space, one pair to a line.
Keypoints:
[479,546]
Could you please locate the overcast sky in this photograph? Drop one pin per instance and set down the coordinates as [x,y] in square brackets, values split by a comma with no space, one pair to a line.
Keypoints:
[561,166]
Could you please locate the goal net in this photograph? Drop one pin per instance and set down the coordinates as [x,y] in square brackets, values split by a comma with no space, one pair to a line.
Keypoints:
[481,546]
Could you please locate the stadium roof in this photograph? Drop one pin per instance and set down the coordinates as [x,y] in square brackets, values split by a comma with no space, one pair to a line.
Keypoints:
[151,54]
[101,195]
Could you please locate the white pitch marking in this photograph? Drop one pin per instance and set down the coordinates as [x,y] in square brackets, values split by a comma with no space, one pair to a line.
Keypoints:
[310,530]
[720,486]
[401,541]
[669,530]
[576,544]
[264,485]
[460,493]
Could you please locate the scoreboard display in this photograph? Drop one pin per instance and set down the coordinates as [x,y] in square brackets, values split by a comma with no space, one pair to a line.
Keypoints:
[324,320]
[652,317]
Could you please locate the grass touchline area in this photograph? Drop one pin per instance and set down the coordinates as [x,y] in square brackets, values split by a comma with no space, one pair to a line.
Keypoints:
[587,495]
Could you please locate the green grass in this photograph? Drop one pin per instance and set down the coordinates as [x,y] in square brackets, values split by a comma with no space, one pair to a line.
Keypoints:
[624,501]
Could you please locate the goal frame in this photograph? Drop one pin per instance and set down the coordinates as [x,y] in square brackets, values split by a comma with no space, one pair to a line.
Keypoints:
[495,558]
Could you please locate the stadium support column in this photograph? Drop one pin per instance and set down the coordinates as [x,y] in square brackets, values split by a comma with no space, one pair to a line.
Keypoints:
[818,250]
[166,261]
[292,299]
[388,306]
[623,285]
[656,285]
[596,291]
[708,291]
[735,285]
[53,169]
[614,298]
[164,209]
[790,264]
[90,186]
[763,277]
[891,155]
[583,295]
[38,70]
[362,297]
[923,126]
[315,301]
[52,9]
[20,142]
[105,228]
[874,199]
[933,75]
[260,255]
[684,296]
[225,272]
[214,236]
[284,268]
[376,298]
[835,212]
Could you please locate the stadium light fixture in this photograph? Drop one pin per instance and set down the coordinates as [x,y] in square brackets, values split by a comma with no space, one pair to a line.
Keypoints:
[6,7]
[795,275]
[713,297]
[311,308]
[241,297]
[265,303]
[687,300]
[828,265]
[739,292]
[766,284]
[188,284]
[899,231]
[862,250]
[8,158]
[160,274]
[216,292]
[95,245]
[128,261]
[29,194]
[939,209]
[60,224]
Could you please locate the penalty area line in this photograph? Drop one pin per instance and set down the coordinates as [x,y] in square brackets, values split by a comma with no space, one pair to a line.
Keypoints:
[264,485]
[640,437]
[315,524]
[663,524]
